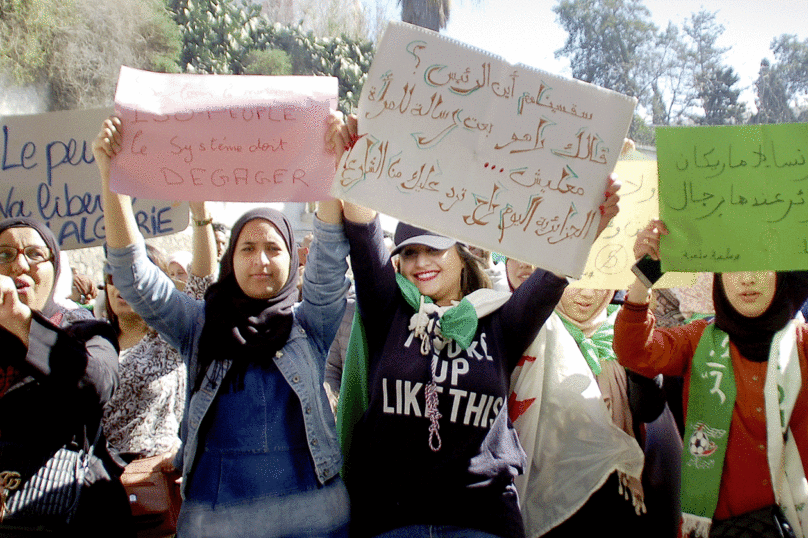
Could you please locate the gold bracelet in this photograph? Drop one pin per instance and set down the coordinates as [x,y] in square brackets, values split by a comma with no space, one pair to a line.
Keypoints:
[201,223]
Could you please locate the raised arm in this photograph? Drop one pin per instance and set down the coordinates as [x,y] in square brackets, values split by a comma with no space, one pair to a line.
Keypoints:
[149,291]
[119,219]
[203,261]
[646,244]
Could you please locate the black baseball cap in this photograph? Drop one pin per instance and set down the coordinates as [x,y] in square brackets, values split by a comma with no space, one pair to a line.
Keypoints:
[407,234]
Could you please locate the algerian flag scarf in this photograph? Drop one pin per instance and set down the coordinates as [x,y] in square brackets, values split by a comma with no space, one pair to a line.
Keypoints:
[598,347]
[458,323]
[709,414]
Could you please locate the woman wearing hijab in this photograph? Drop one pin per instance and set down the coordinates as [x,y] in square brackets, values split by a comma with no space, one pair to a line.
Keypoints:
[260,454]
[55,376]
[585,461]
[746,401]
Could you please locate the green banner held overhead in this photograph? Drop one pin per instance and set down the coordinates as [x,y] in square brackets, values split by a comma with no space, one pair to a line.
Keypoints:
[734,198]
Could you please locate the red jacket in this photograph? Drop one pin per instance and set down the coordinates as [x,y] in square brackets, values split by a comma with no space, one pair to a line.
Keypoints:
[745,483]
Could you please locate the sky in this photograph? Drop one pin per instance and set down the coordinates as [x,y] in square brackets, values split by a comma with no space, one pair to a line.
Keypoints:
[526,31]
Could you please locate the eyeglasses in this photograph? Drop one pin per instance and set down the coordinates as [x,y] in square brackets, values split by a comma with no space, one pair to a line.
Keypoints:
[34,254]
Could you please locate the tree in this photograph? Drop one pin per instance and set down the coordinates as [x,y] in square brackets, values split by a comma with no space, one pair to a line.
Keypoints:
[792,63]
[346,58]
[221,37]
[80,57]
[432,14]
[782,87]
[215,34]
[611,43]
[712,82]
[772,98]
[672,98]
[335,18]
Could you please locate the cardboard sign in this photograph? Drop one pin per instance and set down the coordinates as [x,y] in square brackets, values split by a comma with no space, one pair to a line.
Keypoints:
[612,254]
[734,198]
[504,157]
[224,137]
[48,173]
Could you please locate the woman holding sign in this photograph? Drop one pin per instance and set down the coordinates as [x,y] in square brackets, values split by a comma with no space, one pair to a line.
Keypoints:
[746,428]
[433,453]
[260,455]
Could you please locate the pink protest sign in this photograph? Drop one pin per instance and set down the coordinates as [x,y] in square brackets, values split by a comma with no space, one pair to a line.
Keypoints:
[234,138]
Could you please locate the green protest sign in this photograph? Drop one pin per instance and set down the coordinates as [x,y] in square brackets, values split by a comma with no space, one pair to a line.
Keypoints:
[734,197]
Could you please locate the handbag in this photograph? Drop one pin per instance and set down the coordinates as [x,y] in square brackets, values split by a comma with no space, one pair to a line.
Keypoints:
[154,496]
[41,492]
[768,522]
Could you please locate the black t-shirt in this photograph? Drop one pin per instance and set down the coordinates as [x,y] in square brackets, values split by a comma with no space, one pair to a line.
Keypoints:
[397,477]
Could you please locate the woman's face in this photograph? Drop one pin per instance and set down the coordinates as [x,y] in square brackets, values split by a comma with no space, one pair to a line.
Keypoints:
[518,272]
[34,281]
[260,260]
[117,303]
[177,272]
[436,273]
[581,304]
[750,292]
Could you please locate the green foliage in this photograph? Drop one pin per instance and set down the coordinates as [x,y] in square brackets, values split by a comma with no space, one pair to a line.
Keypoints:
[610,43]
[332,18]
[772,97]
[712,81]
[215,33]
[267,62]
[27,31]
[346,58]
[792,63]
[678,77]
[641,133]
[782,87]
[77,47]
[221,37]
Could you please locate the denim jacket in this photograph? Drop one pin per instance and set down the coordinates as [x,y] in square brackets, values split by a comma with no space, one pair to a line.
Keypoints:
[179,319]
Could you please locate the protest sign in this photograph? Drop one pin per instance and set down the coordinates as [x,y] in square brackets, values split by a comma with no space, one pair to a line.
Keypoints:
[504,157]
[48,173]
[733,198]
[224,137]
[612,255]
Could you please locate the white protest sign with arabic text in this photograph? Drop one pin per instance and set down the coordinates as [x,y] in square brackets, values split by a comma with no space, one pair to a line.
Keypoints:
[504,157]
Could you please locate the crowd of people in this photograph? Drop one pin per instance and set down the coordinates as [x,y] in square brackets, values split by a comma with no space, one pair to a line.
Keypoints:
[454,397]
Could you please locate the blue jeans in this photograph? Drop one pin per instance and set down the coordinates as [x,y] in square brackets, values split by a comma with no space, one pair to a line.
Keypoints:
[318,513]
[435,531]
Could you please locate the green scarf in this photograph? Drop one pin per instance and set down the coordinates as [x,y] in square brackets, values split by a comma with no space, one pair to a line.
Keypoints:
[709,414]
[598,348]
[458,323]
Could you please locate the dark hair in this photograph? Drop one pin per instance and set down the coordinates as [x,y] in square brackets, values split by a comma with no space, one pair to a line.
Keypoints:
[473,276]
[158,258]
[219,227]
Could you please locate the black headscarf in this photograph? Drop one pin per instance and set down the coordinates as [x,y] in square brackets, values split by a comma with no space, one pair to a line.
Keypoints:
[239,327]
[53,245]
[753,336]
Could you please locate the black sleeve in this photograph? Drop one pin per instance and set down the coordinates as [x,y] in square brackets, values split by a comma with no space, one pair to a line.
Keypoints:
[82,356]
[527,310]
[374,278]
[646,398]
